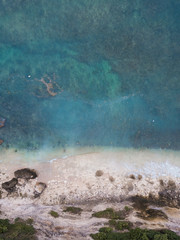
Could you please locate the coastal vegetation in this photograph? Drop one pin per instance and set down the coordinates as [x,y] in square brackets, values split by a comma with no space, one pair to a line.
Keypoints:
[19,230]
[118,228]
[54,214]
[135,234]
[110,213]
[74,210]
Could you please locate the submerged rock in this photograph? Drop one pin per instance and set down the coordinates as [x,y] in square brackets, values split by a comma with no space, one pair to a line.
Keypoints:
[1,141]
[25,173]
[10,185]
[2,122]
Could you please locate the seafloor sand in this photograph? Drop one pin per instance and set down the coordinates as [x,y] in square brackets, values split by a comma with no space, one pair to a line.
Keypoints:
[71,179]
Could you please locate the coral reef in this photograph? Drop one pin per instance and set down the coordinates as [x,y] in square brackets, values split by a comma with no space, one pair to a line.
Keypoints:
[51,86]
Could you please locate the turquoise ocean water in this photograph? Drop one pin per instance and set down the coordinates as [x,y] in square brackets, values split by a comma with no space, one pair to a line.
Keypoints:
[90,73]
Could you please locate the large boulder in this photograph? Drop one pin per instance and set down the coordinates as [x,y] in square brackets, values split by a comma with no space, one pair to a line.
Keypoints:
[25,173]
[10,185]
[39,189]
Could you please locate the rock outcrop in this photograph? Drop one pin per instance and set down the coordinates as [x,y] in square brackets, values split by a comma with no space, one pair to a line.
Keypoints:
[25,173]
[39,189]
[10,185]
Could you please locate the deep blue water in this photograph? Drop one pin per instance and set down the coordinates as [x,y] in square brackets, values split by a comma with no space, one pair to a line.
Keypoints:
[90,73]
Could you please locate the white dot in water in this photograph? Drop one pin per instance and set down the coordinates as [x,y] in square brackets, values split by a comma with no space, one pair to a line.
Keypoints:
[153,120]
[29,76]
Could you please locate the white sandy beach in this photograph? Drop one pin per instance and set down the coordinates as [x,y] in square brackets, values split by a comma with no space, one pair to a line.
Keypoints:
[71,179]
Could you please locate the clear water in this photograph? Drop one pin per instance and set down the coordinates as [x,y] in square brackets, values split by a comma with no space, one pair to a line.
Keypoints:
[90,73]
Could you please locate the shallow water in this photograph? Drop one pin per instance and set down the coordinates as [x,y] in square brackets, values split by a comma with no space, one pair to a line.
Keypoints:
[89,73]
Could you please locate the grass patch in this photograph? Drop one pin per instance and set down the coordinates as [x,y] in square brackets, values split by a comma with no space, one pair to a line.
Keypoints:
[54,214]
[110,213]
[127,209]
[74,210]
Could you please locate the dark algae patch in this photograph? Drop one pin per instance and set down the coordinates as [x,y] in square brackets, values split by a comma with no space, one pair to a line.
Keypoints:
[19,230]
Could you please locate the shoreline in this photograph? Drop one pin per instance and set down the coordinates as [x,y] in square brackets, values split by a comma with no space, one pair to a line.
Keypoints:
[122,172]
[93,181]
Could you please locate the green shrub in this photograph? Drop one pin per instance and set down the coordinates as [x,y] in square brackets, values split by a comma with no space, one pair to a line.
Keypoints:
[120,225]
[127,209]
[110,213]
[160,237]
[135,234]
[54,214]
[19,230]
[106,230]
[74,210]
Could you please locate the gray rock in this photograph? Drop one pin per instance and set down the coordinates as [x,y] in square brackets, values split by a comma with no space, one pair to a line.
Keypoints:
[39,189]
[25,173]
[10,185]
